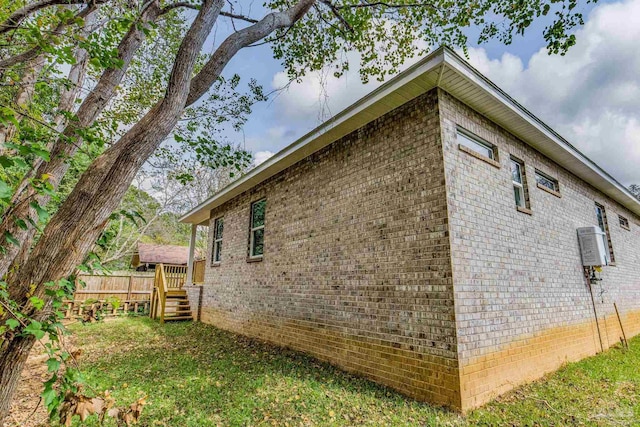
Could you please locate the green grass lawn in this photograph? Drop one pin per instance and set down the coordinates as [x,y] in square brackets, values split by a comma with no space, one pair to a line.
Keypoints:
[197,375]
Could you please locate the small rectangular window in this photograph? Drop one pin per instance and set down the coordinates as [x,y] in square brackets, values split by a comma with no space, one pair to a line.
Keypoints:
[218,227]
[624,222]
[466,139]
[256,236]
[544,180]
[518,178]
[601,216]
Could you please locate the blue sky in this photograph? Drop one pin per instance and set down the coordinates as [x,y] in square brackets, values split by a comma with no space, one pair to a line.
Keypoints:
[591,96]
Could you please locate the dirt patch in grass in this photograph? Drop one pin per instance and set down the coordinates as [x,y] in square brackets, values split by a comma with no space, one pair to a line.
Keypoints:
[27,409]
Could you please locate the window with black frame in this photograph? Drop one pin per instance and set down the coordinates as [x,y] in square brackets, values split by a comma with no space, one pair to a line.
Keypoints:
[218,228]
[601,216]
[256,236]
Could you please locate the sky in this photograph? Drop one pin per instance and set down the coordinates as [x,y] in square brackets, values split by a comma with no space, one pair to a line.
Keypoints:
[591,96]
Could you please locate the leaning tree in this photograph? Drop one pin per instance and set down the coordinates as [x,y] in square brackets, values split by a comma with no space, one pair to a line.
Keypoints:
[66,66]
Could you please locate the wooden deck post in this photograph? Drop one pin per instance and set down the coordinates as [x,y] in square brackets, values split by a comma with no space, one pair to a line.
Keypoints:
[192,250]
[130,287]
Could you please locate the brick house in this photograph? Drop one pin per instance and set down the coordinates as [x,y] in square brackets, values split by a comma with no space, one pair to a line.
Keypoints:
[425,238]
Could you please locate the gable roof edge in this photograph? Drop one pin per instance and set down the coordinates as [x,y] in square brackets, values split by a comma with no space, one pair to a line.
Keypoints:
[419,78]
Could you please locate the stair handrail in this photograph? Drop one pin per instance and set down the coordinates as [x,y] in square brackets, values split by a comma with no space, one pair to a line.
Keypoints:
[162,290]
[153,309]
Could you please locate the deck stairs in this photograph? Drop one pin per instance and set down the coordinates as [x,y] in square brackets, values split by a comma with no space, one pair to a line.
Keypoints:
[169,301]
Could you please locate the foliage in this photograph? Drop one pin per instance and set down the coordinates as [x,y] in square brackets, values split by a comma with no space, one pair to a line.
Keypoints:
[635,190]
[247,382]
[143,218]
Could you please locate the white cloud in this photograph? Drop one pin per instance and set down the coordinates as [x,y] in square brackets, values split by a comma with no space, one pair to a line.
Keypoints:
[320,95]
[591,96]
[270,139]
[261,157]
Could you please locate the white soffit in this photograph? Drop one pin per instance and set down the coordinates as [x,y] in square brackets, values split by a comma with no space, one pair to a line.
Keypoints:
[475,90]
[447,70]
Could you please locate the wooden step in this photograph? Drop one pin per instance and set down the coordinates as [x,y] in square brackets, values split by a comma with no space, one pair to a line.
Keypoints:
[177,294]
[175,318]
[186,310]
[174,303]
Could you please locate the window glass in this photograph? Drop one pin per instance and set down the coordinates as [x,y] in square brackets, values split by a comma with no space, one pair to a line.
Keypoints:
[258,242]
[547,181]
[476,145]
[624,222]
[517,191]
[516,172]
[218,251]
[519,183]
[256,237]
[601,217]
[218,228]
[257,213]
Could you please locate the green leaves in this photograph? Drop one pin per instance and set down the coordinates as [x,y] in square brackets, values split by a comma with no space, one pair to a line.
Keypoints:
[8,116]
[38,303]
[35,328]
[42,213]
[10,239]
[53,364]
[5,192]
[50,396]
[12,324]
[30,149]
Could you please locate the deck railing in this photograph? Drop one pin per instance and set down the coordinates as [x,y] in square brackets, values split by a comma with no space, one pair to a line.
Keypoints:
[171,278]
[175,275]
[168,278]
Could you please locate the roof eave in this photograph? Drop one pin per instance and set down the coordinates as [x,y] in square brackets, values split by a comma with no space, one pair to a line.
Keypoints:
[421,77]
[380,101]
[582,166]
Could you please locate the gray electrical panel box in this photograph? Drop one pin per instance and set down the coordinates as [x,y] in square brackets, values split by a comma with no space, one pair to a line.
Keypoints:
[593,246]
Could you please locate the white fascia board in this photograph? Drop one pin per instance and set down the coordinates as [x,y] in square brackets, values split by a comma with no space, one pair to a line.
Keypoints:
[397,91]
[595,175]
[385,98]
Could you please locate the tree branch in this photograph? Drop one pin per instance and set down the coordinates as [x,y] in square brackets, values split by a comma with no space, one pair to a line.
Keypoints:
[201,83]
[19,15]
[336,12]
[187,5]
[385,4]
[20,58]
[35,51]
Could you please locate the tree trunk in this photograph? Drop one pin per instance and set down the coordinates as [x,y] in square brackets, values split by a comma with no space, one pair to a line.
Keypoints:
[67,145]
[12,362]
[22,100]
[73,230]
